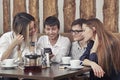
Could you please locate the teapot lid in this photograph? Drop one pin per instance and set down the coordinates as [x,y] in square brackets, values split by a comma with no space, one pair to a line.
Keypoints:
[31,56]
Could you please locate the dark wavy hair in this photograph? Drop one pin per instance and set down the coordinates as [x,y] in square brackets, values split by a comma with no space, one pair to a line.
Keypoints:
[79,21]
[52,21]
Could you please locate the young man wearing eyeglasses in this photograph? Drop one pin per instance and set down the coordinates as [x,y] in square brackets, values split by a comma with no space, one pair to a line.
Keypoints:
[78,46]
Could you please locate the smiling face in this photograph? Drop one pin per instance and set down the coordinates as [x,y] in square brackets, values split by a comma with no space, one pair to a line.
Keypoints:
[76,32]
[52,32]
[87,32]
[32,28]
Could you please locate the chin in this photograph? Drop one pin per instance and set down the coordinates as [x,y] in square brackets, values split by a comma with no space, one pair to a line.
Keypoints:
[51,38]
[75,39]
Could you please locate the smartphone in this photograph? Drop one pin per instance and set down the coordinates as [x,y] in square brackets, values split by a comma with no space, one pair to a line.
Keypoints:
[48,50]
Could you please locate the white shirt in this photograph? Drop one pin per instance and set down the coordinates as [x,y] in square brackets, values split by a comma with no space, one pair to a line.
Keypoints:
[60,49]
[76,51]
[5,40]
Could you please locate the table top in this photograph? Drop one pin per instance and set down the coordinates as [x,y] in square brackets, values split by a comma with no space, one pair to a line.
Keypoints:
[51,73]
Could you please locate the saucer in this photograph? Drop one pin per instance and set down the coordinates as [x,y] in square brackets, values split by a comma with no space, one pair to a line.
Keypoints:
[64,63]
[77,67]
[7,66]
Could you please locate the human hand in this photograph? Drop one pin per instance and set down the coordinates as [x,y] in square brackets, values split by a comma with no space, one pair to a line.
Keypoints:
[98,71]
[51,55]
[18,39]
[78,37]
[96,39]
[96,43]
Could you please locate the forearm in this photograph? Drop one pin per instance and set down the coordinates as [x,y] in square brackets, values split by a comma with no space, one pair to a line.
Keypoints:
[94,48]
[32,47]
[87,62]
[8,51]
[98,71]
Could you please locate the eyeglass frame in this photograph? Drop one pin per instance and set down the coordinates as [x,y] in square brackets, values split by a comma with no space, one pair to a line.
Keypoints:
[76,31]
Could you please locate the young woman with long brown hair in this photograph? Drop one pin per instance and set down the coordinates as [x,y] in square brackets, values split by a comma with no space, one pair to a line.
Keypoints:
[15,43]
[102,52]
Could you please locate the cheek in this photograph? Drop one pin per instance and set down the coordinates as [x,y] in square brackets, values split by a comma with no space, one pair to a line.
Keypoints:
[89,36]
[46,31]
[55,31]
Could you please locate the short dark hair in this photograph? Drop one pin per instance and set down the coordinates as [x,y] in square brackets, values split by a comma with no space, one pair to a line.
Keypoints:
[52,21]
[79,21]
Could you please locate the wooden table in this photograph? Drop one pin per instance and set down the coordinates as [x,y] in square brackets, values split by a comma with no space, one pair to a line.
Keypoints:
[52,73]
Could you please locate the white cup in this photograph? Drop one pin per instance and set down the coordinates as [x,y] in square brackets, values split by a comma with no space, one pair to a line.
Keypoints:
[75,63]
[66,60]
[8,62]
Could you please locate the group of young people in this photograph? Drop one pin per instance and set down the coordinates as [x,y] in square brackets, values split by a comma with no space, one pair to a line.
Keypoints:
[94,45]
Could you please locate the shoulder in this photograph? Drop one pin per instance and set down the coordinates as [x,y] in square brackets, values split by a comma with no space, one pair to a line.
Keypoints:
[75,43]
[44,37]
[7,35]
[64,38]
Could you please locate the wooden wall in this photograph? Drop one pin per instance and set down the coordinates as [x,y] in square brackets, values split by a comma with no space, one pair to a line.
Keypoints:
[50,7]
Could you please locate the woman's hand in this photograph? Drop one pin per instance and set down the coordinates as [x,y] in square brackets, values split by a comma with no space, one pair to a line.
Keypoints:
[18,39]
[16,42]
[78,37]
[98,71]
[95,45]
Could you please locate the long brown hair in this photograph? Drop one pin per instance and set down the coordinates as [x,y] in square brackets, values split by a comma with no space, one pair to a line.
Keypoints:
[21,23]
[109,47]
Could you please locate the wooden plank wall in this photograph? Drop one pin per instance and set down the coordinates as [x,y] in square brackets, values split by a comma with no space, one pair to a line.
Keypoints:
[50,7]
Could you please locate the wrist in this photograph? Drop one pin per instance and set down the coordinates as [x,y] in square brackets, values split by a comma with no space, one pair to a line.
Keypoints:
[93,50]
[32,43]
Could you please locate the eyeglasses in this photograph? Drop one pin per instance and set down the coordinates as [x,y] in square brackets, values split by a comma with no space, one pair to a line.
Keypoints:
[76,31]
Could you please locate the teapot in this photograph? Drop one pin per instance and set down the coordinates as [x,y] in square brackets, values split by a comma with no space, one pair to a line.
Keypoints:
[32,63]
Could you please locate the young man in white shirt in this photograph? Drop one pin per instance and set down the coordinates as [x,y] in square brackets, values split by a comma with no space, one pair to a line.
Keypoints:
[59,44]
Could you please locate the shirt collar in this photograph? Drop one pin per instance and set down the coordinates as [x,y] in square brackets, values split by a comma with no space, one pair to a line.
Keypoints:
[57,43]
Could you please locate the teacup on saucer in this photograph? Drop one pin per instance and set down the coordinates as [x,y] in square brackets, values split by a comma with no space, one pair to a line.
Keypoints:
[8,62]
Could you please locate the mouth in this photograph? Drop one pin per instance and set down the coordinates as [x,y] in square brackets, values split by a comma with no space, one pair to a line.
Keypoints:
[51,35]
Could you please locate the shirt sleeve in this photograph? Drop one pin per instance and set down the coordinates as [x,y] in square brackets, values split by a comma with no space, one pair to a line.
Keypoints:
[4,43]
[93,57]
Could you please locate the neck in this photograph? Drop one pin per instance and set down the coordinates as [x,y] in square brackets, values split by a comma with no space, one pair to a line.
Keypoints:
[53,41]
[82,43]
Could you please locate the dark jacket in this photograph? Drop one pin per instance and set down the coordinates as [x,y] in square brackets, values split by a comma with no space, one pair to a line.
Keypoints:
[93,57]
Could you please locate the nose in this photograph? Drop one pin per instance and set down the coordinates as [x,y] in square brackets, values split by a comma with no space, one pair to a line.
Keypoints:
[51,31]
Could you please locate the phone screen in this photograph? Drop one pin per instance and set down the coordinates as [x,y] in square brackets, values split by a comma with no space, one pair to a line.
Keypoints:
[48,50]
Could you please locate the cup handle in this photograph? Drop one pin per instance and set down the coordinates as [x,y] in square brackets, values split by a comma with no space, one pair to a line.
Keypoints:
[81,62]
